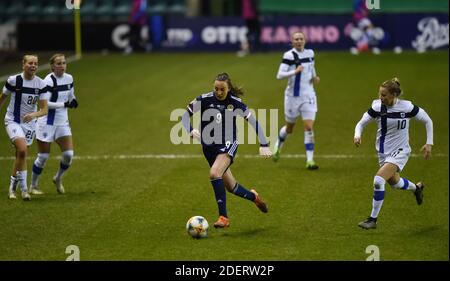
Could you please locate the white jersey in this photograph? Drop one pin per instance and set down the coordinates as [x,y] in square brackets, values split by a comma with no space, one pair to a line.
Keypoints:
[300,84]
[24,98]
[63,92]
[393,125]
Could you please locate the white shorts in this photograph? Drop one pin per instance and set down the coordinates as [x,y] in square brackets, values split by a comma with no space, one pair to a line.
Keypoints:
[398,157]
[50,133]
[296,106]
[24,130]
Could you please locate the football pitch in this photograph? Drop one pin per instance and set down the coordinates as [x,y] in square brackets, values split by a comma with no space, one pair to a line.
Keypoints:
[130,191]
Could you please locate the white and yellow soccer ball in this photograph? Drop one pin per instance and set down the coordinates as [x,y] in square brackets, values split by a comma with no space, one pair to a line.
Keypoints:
[197,227]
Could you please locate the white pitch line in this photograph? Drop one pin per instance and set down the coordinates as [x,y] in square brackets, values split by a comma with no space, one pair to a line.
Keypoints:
[41,68]
[193,156]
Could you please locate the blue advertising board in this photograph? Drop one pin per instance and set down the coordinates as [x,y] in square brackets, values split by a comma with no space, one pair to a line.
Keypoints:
[323,32]
[175,33]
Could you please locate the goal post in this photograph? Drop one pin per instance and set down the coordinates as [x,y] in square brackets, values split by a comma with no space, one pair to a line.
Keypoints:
[77,27]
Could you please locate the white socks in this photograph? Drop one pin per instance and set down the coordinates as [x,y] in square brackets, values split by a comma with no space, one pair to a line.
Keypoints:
[404,184]
[66,161]
[309,145]
[38,165]
[378,195]
[21,177]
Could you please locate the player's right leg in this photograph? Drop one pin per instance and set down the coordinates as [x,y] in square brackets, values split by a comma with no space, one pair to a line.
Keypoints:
[379,181]
[21,137]
[219,166]
[20,166]
[282,136]
[38,165]
[291,113]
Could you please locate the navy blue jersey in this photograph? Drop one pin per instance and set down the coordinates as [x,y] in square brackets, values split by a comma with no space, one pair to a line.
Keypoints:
[218,118]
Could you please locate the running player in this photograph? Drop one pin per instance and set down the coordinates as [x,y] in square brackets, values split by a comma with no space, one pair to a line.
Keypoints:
[300,98]
[392,144]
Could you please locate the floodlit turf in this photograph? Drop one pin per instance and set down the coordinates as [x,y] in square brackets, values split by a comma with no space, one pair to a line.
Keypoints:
[137,208]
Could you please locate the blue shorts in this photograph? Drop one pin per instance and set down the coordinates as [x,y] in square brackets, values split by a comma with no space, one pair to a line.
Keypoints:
[211,151]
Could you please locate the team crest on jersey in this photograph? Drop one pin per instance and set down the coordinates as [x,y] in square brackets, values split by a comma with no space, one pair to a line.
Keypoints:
[230,107]
[402,114]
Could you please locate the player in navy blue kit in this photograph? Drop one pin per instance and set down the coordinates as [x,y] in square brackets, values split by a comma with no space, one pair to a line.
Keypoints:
[219,110]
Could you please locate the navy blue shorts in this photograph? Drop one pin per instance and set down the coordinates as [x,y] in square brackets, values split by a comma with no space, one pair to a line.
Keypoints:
[212,151]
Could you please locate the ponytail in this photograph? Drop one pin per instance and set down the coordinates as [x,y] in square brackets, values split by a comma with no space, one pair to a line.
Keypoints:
[393,86]
[234,90]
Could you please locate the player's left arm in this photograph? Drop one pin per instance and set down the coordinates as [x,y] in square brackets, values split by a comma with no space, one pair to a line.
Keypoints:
[423,117]
[72,101]
[315,78]
[263,143]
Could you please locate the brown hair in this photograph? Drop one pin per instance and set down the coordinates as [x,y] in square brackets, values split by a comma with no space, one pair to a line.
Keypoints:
[234,91]
[392,86]
[26,57]
[53,58]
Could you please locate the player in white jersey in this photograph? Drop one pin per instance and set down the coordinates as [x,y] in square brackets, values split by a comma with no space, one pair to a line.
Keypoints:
[300,98]
[55,127]
[26,91]
[392,116]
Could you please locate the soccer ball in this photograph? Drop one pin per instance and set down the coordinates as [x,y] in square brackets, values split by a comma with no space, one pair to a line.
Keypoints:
[197,227]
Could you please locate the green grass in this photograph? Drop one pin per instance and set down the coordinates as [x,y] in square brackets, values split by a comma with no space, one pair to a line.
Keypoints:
[136,209]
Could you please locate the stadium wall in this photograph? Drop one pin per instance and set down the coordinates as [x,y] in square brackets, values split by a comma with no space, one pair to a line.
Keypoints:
[173,33]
